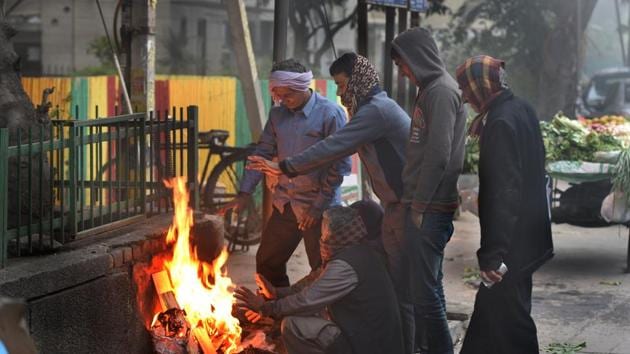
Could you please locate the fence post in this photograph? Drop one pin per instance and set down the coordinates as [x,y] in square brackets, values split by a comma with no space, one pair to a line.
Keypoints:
[72,177]
[4,191]
[193,155]
[143,163]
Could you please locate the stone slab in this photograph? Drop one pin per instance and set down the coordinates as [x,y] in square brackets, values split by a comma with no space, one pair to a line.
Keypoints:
[97,317]
[49,274]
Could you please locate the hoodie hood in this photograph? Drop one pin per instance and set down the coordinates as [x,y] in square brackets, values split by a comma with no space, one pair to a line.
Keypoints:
[418,50]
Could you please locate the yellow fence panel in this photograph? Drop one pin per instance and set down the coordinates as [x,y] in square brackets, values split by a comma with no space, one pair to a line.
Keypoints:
[60,98]
[216,99]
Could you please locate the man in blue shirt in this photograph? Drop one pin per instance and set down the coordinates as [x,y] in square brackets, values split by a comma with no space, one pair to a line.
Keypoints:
[302,119]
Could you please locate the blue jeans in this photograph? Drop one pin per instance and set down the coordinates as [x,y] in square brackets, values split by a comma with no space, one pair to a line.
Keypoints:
[425,247]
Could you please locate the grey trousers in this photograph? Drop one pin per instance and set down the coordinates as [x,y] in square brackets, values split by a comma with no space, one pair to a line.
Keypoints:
[312,335]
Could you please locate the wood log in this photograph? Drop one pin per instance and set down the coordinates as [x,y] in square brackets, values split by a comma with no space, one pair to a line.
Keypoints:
[207,236]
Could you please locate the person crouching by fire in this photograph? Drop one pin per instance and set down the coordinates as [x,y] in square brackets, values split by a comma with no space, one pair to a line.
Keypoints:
[353,287]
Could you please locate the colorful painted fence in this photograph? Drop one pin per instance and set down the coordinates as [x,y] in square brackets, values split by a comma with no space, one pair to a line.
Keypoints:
[220,99]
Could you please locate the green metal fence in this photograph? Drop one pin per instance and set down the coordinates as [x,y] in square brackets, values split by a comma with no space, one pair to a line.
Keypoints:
[68,180]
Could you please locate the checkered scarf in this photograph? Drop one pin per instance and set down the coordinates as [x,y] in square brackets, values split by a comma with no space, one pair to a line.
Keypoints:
[482,78]
[363,79]
[341,227]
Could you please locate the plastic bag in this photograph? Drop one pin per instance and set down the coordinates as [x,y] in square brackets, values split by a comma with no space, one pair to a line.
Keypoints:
[615,208]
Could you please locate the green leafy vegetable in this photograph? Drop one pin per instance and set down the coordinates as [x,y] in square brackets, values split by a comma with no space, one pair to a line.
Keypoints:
[471,157]
[568,140]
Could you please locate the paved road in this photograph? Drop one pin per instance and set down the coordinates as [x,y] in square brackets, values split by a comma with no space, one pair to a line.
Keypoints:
[570,303]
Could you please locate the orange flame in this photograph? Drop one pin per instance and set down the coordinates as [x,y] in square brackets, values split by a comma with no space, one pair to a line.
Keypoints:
[206,298]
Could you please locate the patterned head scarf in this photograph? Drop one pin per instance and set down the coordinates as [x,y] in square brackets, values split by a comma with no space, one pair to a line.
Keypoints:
[363,79]
[341,227]
[482,78]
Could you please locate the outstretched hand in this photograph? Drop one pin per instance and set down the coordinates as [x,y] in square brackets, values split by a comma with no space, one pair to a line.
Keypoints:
[248,300]
[308,220]
[253,316]
[265,287]
[237,204]
[263,165]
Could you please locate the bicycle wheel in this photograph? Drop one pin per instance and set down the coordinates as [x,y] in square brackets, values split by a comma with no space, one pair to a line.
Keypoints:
[221,187]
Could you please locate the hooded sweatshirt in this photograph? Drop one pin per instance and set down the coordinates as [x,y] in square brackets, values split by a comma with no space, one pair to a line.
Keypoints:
[435,152]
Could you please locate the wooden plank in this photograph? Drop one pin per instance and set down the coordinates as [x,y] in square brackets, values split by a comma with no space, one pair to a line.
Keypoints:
[164,289]
[204,340]
[246,64]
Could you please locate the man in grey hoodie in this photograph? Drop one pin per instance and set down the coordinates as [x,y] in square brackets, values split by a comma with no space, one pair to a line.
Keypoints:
[435,155]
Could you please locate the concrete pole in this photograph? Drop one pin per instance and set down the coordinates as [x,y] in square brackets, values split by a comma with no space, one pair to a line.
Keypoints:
[620,32]
[362,28]
[280,30]
[142,66]
[362,49]
[246,64]
[579,33]
[412,90]
[401,94]
[390,25]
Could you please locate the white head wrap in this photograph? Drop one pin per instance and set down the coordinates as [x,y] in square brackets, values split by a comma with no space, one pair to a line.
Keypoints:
[292,80]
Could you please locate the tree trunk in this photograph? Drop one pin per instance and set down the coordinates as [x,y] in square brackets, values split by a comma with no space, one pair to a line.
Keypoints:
[559,75]
[17,112]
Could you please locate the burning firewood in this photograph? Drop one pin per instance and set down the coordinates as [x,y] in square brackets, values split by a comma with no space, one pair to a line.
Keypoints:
[173,323]
[165,290]
[252,350]
[194,290]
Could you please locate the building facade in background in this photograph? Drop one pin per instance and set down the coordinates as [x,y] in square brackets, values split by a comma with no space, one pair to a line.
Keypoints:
[192,36]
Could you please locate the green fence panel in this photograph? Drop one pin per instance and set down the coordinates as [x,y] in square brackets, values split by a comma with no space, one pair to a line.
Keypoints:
[266,95]
[79,111]
[243,133]
[80,96]
[331,90]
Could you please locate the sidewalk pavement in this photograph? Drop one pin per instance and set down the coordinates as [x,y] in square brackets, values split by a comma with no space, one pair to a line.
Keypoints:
[581,295]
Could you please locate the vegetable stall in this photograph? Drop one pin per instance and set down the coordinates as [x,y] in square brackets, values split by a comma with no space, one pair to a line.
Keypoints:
[592,158]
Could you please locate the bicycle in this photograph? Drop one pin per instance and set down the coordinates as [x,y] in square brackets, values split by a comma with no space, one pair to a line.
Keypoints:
[222,185]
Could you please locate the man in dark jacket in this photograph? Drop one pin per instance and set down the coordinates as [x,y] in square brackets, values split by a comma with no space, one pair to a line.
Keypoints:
[513,210]
[435,157]
[353,286]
